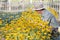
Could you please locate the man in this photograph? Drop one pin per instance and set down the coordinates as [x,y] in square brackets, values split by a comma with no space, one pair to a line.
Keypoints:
[48,16]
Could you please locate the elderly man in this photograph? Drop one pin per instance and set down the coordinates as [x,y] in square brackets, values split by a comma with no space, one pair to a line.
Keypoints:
[48,16]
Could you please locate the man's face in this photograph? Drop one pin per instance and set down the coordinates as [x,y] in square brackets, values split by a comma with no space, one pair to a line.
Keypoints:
[39,11]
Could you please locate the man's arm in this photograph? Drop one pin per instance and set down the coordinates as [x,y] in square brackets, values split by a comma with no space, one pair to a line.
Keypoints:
[49,17]
[55,24]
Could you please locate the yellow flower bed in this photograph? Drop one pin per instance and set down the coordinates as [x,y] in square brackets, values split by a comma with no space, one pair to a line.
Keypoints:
[28,27]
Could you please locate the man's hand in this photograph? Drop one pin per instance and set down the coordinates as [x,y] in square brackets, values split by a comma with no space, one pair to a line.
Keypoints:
[55,32]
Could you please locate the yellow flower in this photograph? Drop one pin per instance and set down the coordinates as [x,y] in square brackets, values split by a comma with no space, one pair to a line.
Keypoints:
[45,33]
[28,26]
[43,37]
[49,34]
[0,21]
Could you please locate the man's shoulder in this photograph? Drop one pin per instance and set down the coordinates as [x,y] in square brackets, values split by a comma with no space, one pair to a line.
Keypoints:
[47,13]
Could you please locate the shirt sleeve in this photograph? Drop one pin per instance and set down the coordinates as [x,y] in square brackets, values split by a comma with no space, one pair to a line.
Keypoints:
[47,16]
[53,22]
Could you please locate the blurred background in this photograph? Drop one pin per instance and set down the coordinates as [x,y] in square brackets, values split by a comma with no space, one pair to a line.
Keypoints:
[21,5]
